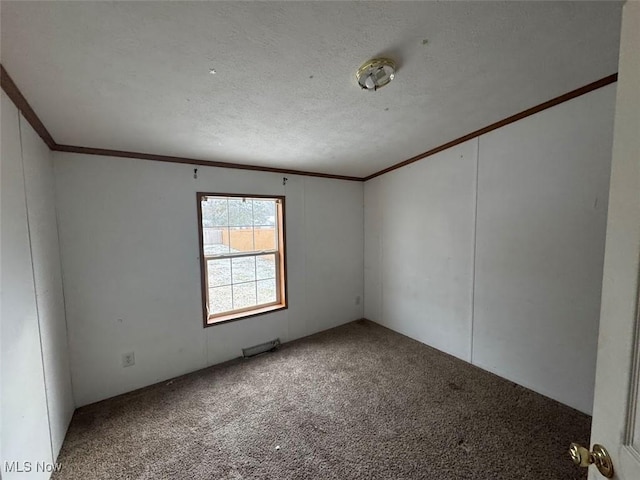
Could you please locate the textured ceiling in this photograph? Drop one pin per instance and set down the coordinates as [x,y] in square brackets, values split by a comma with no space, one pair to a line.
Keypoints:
[136,75]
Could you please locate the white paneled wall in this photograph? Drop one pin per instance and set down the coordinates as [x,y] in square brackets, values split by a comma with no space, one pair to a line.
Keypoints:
[543,187]
[419,244]
[515,288]
[45,251]
[36,402]
[129,239]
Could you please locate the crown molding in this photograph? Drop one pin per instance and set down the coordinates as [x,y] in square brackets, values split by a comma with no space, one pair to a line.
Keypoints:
[195,161]
[13,92]
[514,118]
[16,96]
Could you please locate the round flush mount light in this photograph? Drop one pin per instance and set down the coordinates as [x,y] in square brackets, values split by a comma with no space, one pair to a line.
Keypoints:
[376,73]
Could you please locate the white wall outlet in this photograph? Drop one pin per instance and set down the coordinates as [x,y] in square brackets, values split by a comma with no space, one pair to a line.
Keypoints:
[128,359]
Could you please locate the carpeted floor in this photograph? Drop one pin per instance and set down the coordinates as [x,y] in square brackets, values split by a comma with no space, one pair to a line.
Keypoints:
[358,401]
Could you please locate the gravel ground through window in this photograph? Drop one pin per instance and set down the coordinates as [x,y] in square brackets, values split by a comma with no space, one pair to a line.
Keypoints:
[239,282]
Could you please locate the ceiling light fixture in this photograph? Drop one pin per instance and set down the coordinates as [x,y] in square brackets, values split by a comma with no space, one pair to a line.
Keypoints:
[376,73]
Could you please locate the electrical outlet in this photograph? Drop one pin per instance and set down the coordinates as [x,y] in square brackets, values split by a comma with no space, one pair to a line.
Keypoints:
[358,300]
[128,359]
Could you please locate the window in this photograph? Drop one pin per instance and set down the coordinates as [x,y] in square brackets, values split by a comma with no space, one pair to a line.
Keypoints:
[242,257]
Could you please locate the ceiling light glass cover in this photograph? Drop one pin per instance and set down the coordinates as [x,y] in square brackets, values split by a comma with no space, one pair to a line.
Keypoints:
[376,73]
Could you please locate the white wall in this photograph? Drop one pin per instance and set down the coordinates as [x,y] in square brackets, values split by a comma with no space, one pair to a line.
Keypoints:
[36,401]
[542,208]
[526,304]
[419,249]
[45,251]
[129,240]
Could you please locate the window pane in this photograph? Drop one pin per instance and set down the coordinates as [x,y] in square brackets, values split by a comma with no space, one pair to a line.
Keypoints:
[234,226]
[243,269]
[220,300]
[240,212]
[266,266]
[214,212]
[219,272]
[215,240]
[266,291]
[241,239]
[244,295]
[264,212]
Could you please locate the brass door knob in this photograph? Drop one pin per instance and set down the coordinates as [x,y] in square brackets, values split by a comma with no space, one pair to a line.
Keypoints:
[598,457]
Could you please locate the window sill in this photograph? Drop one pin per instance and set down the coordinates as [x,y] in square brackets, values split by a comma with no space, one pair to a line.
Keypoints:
[211,321]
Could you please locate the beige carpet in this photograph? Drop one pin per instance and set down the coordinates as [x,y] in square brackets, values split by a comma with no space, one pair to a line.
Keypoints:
[358,401]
